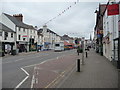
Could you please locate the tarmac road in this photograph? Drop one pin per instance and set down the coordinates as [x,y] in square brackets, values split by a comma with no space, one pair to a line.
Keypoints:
[17,70]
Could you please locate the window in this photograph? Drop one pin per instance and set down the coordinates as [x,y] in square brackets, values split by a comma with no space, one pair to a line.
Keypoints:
[19,37]
[31,31]
[19,28]
[23,29]
[57,45]
[23,39]
[11,35]
[6,35]
[34,31]
[0,33]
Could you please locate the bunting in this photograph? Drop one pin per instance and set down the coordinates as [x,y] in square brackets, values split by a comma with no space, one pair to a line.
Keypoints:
[68,8]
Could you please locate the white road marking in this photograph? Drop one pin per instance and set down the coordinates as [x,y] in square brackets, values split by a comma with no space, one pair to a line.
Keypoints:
[36,80]
[33,79]
[23,59]
[44,61]
[19,59]
[6,62]
[23,79]
[25,71]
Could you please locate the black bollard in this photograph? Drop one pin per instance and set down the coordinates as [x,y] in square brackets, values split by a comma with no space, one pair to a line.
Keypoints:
[86,55]
[78,65]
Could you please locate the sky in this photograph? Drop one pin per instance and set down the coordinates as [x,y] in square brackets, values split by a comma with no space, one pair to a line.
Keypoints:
[78,21]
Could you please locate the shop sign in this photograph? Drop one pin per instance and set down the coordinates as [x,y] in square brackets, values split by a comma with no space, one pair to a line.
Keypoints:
[24,36]
[113,9]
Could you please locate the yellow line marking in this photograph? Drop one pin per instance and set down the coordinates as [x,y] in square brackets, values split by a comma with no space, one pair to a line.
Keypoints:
[55,81]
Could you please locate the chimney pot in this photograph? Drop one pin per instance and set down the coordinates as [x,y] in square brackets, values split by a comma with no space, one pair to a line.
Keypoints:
[18,17]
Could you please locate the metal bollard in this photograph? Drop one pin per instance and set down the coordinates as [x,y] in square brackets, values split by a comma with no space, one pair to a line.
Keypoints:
[86,54]
[78,65]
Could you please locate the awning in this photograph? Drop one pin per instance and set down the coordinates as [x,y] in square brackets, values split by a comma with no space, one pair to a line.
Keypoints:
[46,43]
[66,43]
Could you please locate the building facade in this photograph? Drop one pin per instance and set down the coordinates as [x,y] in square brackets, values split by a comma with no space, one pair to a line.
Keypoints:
[110,27]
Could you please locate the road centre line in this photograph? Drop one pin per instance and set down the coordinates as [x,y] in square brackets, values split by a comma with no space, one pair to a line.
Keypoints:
[42,62]
[23,79]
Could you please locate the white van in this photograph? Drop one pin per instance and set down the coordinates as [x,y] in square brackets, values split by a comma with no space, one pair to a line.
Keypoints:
[59,46]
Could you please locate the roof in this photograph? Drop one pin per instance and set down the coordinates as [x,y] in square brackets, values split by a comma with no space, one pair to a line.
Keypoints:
[99,17]
[5,28]
[48,30]
[17,22]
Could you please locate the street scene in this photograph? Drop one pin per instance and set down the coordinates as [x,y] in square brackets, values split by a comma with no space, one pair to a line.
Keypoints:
[59,44]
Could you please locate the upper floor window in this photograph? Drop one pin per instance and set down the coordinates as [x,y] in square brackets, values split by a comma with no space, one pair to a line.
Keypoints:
[19,28]
[19,36]
[0,33]
[11,35]
[34,31]
[6,35]
[31,31]
[23,29]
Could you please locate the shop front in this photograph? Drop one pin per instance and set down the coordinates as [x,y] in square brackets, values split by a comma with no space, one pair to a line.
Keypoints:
[32,45]
[7,47]
[22,46]
[115,54]
[47,45]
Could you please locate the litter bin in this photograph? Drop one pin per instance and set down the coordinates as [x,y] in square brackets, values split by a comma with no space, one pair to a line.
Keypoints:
[13,52]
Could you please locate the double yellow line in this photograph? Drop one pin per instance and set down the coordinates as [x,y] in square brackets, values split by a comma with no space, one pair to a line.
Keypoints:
[55,81]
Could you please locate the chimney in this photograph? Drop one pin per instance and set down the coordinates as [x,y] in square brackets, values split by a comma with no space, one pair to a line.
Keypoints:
[19,17]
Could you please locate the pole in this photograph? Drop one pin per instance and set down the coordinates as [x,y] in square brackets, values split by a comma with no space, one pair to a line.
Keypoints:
[83,51]
[86,54]
[118,63]
[78,65]
[118,51]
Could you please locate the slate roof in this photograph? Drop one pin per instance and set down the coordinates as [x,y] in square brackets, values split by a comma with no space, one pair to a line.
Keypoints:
[18,23]
[5,28]
[48,30]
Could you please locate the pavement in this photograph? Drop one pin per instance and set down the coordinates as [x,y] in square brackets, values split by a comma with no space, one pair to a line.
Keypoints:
[97,72]
[24,53]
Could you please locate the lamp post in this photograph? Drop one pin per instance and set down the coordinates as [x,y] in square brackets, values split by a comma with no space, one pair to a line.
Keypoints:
[118,64]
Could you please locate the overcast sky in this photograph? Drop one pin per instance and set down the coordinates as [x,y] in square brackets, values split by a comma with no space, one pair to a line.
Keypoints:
[78,21]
